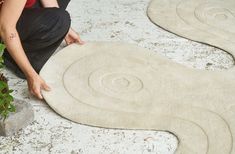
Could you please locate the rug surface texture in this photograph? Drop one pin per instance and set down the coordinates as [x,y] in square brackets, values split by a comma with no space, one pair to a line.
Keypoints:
[207,21]
[123,86]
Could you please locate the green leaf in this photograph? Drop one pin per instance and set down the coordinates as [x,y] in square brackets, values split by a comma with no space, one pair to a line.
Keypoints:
[10,91]
[2,47]
[3,85]
[9,98]
[1,59]
[11,108]
[1,101]
[6,99]
[1,66]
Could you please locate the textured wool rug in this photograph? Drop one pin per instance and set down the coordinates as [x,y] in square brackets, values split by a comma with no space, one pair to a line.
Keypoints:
[115,85]
[208,21]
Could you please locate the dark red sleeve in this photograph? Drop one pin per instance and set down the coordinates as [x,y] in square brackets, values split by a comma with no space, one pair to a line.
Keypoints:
[30,3]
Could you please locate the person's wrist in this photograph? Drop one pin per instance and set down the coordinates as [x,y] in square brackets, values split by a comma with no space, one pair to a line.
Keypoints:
[31,74]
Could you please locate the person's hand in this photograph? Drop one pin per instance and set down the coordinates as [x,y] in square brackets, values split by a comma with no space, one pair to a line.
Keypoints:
[35,84]
[73,37]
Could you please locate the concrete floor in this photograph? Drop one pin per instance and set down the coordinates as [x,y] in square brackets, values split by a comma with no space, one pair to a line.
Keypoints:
[109,20]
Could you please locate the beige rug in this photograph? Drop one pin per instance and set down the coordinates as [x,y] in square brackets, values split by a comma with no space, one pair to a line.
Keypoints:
[208,21]
[115,85]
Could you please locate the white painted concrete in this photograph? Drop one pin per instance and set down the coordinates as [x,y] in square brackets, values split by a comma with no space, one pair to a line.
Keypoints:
[108,20]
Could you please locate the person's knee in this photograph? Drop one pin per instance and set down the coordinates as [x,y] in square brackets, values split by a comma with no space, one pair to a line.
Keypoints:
[56,24]
[64,18]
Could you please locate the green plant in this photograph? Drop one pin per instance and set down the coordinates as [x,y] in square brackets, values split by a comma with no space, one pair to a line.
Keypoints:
[2,47]
[6,98]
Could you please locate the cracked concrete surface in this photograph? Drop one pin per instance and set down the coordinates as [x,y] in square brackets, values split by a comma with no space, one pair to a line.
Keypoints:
[109,20]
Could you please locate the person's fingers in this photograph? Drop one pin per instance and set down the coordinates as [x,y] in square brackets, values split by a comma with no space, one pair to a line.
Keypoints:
[46,87]
[79,40]
[69,40]
[76,37]
[73,37]
[36,92]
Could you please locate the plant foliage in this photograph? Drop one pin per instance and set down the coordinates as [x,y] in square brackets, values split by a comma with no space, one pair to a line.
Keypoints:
[2,47]
[6,98]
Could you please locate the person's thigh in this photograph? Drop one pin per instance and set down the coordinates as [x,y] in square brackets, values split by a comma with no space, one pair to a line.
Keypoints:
[41,27]
[45,31]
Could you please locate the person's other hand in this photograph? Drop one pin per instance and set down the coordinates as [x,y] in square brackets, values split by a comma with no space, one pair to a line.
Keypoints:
[73,37]
[35,84]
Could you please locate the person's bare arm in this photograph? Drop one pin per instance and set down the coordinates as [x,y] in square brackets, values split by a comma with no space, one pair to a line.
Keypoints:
[9,15]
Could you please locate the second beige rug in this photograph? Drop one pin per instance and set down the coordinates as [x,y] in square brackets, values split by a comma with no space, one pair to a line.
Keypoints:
[208,21]
[115,85]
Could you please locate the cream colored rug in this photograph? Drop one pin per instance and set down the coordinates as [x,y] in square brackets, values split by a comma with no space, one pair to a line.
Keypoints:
[115,85]
[208,21]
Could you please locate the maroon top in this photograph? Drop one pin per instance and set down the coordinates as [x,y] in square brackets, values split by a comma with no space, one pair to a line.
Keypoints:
[30,3]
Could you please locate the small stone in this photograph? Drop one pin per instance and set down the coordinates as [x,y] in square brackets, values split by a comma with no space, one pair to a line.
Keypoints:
[209,64]
[23,116]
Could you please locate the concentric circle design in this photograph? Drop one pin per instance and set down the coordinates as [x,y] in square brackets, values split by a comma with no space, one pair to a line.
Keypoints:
[214,18]
[109,79]
[116,81]
[121,83]
[207,21]
[117,85]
